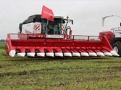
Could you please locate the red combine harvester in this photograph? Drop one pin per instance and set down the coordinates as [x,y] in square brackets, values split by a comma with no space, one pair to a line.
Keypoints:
[39,37]
[113,36]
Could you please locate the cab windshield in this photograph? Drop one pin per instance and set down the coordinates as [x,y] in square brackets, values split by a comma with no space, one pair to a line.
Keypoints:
[52,28]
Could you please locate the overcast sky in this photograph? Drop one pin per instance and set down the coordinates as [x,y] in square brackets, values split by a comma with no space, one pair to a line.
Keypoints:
[87,14]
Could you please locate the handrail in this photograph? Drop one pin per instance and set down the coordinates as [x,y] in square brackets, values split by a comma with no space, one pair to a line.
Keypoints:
[43,36]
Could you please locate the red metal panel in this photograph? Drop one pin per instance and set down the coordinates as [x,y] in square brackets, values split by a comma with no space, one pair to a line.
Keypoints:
[76,44]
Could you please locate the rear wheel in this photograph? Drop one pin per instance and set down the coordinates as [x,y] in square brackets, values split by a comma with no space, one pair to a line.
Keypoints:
[117,47]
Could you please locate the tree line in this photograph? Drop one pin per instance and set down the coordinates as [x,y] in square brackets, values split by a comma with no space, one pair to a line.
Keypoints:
[2,40]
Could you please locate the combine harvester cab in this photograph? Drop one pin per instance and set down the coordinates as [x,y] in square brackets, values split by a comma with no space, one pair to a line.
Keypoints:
[43,38]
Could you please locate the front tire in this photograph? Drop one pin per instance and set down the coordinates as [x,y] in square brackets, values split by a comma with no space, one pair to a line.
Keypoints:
[117,47]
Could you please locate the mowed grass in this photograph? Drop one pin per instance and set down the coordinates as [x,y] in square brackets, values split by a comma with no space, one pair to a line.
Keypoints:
[18,73]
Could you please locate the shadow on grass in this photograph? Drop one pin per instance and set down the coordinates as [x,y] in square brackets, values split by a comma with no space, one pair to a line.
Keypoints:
[16,58]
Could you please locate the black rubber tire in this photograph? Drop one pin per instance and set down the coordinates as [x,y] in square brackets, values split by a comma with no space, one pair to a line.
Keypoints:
[118,45]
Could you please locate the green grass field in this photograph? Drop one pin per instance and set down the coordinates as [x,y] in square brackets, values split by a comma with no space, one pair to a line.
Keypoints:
[2,45]
[59,74]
